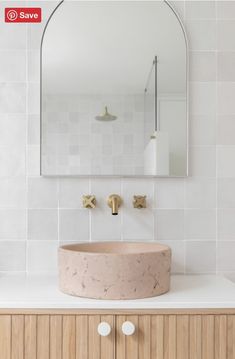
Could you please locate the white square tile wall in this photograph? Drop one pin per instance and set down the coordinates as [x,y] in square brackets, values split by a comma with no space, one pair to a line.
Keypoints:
[73,143]
[195,216]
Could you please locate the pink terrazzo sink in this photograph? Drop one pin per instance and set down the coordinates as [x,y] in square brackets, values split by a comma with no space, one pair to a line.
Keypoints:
[114,270]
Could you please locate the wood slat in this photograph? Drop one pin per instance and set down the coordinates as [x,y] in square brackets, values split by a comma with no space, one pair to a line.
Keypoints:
[195,341]
[81,337]
[69,337]
[182,343]
[43,336]
[208,337]
[17,335]
[132,340]
[231,336]
[170,337]
[94,338]
[107,343]
[30,336]
[220,337]
[120,338]
[144,336]
[157,336]
[166,339]
[5,337]
[55,337]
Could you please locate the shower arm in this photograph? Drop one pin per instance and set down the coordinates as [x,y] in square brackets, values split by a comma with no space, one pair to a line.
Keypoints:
[156,95]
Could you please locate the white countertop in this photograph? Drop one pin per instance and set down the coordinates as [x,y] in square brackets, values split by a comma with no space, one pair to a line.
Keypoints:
[187,291]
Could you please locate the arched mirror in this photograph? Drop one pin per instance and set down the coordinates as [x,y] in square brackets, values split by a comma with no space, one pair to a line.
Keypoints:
[114,90]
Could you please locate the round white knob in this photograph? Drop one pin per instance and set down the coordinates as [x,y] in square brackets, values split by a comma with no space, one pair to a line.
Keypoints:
[128,328]
[104,329]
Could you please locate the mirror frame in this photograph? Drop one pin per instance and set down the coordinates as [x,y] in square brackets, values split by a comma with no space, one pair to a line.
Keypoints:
[187,106]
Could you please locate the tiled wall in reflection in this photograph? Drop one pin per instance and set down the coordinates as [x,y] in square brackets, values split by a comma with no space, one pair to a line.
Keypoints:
[195,215]
[74,142]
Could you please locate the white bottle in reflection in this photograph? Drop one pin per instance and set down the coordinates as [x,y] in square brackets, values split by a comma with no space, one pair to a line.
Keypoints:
[156,155]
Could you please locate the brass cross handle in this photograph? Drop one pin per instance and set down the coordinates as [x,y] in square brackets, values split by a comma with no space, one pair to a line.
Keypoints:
[89,201]
[139,202]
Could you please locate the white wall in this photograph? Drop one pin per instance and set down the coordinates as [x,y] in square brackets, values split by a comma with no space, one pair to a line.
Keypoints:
[194,215]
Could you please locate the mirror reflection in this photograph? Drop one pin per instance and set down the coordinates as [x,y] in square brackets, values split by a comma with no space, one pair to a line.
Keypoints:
[114,90]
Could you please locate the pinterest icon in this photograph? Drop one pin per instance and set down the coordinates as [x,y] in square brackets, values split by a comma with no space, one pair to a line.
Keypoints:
[11,15]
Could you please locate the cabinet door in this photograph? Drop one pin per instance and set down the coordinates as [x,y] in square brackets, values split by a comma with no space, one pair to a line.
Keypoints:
[177,337]
[55,337]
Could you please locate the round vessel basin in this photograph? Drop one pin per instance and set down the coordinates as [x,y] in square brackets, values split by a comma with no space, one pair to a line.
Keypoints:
[114,270]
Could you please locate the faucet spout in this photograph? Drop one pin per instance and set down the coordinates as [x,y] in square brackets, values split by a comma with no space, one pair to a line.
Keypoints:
[114,202]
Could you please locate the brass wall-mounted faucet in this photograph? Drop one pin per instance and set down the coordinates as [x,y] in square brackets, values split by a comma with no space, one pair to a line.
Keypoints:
[114,202]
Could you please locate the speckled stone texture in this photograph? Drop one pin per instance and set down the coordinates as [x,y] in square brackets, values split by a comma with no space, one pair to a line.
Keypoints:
[114,270]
